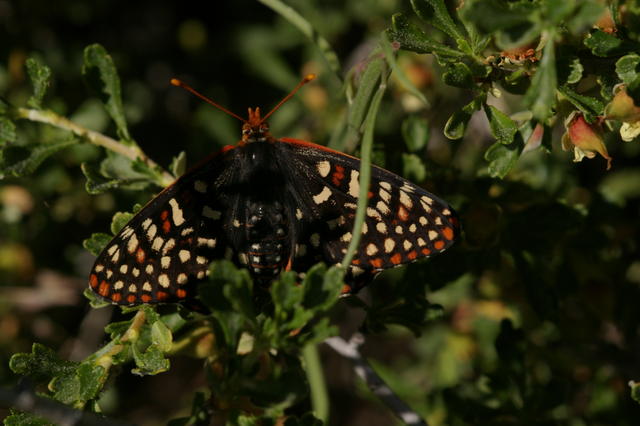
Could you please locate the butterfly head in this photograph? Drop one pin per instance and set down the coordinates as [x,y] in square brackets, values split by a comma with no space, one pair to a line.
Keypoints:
[255,129]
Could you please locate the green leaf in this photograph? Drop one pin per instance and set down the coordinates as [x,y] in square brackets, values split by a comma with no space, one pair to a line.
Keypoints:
[502,158]
[415,131]
[97,183]
[435,12]
[635,390]
[456,125]
[628,68]
[541,96]
[390,56]
[40,76]
[119,220]
[606,45]
[96,243]
[457,74]
[95,301]
[589,106]
[178,164]
[41,363]
[7,131]
[122,172]
[502,127]
[413,168]
[161,336]
[25,419]
[322,287]
[24,160]
[414,39]
[80,386]
[101,75]
[150,362]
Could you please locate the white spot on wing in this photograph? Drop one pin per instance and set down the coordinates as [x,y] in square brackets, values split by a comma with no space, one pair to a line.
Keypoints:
[385,185]
[157,243]
[132,245]
[354,185]
[176,212]
[371,249]
[433,235]
[146,286]
[184,255]
[322,196]
[383,207]
[118,285]
[381,227]
[163,280]
[389,244]
[323,168]
[182,278]
[405,199]
[165,262]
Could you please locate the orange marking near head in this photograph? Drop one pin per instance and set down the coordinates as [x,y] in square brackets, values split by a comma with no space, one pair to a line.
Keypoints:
[181,293]
[403,214]
[166,226]
[396,258]
[161,295]
[369,194]
[346,289]
[164,215]
[376,263]
[412,255]
[103,290]
[448,233]
[131,298]
[439,245]
[140,255]
[116,297]
[93,280]
[426,251]
[145,298]
[355,262]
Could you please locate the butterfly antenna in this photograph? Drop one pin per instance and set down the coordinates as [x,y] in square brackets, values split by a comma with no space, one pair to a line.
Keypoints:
[304,81]
[188,88]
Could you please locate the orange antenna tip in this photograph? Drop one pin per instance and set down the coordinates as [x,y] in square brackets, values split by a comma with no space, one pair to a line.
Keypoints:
[176,82]
[309,77]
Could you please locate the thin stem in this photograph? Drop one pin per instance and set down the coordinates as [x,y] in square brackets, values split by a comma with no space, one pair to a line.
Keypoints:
[350,350]
[317,385]
[131,152]
[307,29]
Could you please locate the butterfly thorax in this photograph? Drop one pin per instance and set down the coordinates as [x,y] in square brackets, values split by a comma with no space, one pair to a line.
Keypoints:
[263,243]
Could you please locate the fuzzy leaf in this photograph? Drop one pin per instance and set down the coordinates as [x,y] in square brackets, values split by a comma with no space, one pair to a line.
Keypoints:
[502,127]
[414,39]
[96,243]
[502,158]
[605,45]
[456,125]
[541,96]
[178,164]
[119,220]
[457,74]
[101,75]
[413,168]
[7,131]
[435,12]
[150,362]
[40,76]
[24,160]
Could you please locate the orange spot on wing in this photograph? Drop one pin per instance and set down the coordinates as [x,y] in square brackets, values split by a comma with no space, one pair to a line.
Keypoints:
[448,233]
[140,255]
[164,215]
[355,262]
[116,297]
[396,258]
[337,175]
[131,298]
[345,289]
[369,194]
[181,293]
[412,255]
[403,214]
[376,263]
[166,226]
[426,251]
[93,280]
[145,298]
[103,290]
[161,295]
[439,245]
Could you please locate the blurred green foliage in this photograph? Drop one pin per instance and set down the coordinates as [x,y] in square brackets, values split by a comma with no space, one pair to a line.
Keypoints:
[530,319]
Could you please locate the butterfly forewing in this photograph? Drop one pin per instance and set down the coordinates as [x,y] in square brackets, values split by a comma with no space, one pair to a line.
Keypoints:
[403,222]
[167,246]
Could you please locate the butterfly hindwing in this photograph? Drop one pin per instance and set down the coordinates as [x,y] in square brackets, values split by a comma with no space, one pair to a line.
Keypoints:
[403,222]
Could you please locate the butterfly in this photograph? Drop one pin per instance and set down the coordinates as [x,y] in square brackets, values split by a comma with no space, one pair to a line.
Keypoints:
[269,205]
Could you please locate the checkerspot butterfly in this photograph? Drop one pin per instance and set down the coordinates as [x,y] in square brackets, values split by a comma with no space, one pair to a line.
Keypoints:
[269,205]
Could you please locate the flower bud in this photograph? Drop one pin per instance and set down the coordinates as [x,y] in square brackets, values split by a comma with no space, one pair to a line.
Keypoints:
[585,139]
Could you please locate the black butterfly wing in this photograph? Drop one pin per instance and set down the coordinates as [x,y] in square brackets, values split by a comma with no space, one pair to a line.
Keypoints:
[403,222]
[167,246]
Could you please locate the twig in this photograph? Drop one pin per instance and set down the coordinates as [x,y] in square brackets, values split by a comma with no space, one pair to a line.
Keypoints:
[132,152]
[24,399]
[350,349]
